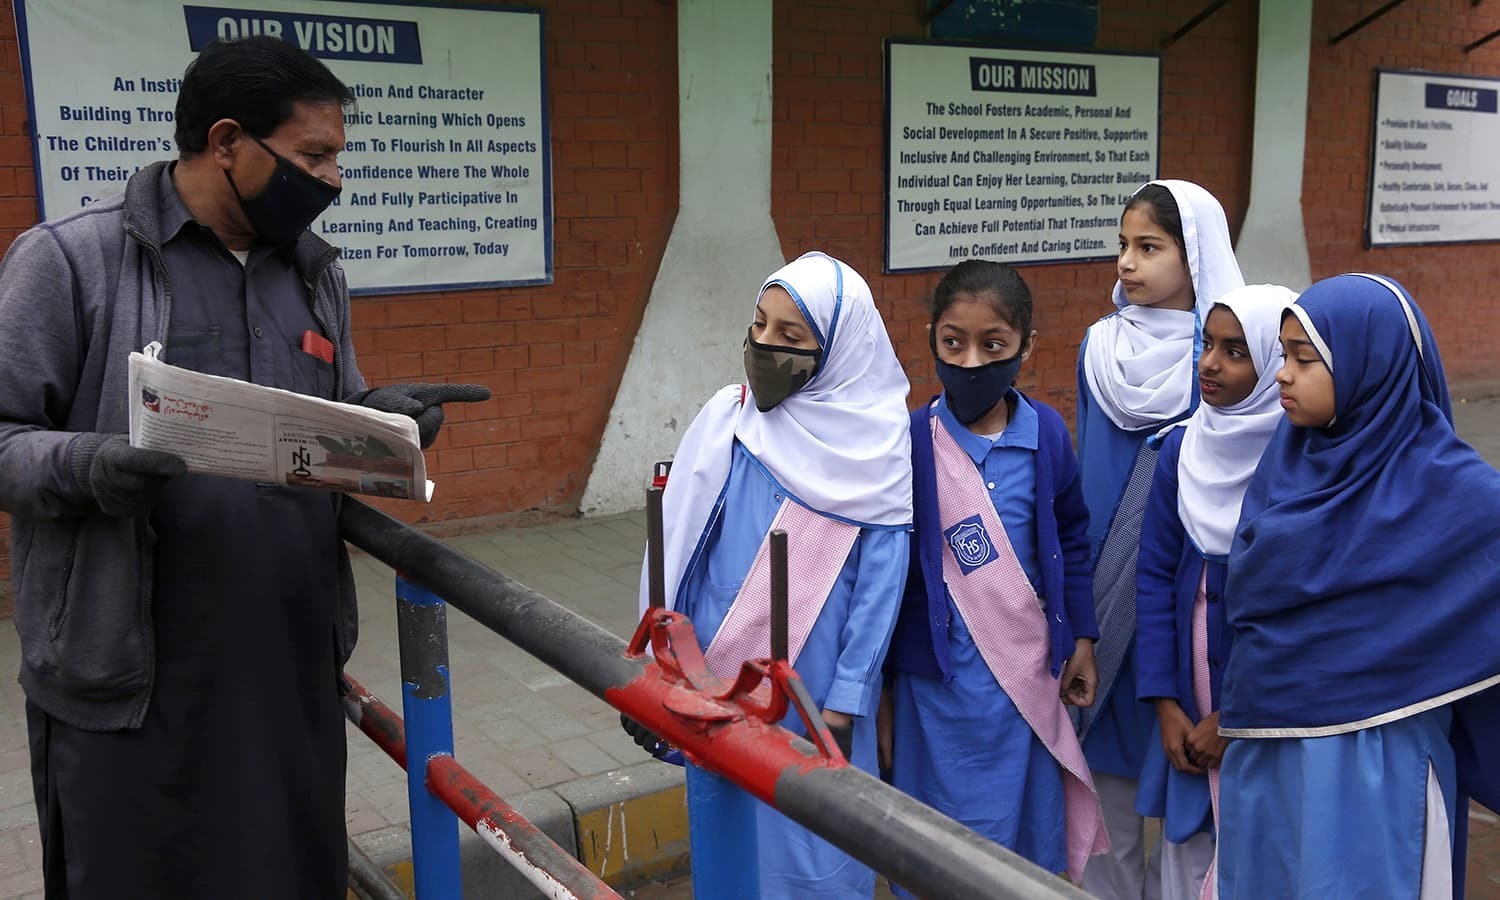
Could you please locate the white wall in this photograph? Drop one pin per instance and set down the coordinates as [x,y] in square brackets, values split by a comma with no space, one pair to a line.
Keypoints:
[1273,242]
[722,247]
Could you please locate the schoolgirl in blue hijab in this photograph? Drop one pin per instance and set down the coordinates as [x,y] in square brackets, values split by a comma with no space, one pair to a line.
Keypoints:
[1361,595]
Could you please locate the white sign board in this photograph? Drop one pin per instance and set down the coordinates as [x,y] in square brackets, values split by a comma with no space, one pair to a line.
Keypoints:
[1013,155]
[1435,160]
[447,173]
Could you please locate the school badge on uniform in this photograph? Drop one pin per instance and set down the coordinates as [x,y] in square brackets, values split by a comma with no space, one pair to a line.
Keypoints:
[970,543]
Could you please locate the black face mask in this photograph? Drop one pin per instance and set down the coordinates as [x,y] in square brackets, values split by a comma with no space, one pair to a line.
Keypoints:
[287,204]
[974,390]
[775,373]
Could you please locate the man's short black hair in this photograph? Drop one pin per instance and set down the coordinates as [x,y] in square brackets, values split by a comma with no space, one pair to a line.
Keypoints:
[254,81]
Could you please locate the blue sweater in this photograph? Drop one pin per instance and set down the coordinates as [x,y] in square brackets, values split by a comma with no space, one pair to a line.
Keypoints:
[920,645]
[1166,585]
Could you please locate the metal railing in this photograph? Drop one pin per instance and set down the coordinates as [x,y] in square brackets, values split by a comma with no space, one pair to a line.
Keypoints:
[549,867]
[728,730]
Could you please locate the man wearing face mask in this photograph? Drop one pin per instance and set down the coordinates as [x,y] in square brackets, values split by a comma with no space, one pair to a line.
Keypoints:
[182,636]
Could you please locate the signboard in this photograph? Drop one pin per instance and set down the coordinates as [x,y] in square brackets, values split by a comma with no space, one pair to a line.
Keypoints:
[1434,169]
[447,172]
[1016,156]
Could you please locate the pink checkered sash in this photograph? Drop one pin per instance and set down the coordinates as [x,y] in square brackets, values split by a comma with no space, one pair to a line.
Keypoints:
[1203,697]
[1003,615]
[817,547]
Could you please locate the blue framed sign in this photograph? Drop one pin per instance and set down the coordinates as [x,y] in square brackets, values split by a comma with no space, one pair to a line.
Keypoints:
[447,173]
[1434,170]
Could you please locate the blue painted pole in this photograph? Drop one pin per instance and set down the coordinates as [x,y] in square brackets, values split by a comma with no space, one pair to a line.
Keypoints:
[427,706]
[721,837]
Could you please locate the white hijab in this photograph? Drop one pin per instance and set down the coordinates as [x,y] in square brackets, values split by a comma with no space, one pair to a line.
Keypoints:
[1222,447]
[841,444]
[1140,361]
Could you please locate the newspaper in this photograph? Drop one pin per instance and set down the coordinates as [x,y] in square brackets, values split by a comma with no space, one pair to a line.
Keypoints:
[222,426]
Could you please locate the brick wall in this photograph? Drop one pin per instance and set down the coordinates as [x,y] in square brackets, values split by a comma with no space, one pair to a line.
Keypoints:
[1455,285]
[551,355]
[828,158]
[17,197]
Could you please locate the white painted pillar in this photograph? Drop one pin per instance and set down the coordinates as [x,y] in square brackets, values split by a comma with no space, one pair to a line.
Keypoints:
[1273,242]
[722,247]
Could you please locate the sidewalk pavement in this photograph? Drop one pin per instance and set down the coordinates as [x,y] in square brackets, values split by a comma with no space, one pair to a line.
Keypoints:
[551,749]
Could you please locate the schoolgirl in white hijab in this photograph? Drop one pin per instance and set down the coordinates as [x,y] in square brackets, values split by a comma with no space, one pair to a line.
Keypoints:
[817,443]
[1201,474]
[1135,375]
[1222,445]
[1139,361]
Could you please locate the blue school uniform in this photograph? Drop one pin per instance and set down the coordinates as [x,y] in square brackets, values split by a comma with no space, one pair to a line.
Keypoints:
[1347,811]
[960,744]
[1116,743]
[1167,575]
[840,664]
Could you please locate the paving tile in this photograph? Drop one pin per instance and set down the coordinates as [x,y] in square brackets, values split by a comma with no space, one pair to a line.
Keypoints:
[618,744]
[583,756]
[20,815]
[360,815]
[513,734]
[15,786]
[542,768]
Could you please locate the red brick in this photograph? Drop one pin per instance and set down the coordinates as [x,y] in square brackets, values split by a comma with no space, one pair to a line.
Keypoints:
[399,340]
[545,379]
[490,457]
[483,433]
[524,453]
[480,335]
[475,360]
[441,362]
[546,354]
[549,425]
[423,312]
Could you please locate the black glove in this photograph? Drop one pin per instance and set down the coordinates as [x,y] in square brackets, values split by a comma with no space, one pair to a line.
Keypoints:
[423,402]
[644,737]
[843,736]
[125,480]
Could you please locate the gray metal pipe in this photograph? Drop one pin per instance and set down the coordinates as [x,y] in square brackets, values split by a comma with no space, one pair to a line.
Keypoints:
[891,832]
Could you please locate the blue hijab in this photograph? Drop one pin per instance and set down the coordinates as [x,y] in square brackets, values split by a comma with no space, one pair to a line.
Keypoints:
[1364,577]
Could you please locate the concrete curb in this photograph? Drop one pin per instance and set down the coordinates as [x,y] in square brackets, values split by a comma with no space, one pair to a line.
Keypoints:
[631,823]
[628,826]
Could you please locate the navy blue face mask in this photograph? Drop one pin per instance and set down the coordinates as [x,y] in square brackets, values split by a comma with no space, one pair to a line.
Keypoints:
[974,390]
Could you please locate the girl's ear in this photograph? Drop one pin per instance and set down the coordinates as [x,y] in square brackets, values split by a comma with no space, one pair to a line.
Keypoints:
[1030,346]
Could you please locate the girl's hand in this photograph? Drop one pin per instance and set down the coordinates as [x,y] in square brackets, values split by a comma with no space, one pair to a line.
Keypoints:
[1080,677]
[1175,728]
[1204,743]
[885,716]
[842,727]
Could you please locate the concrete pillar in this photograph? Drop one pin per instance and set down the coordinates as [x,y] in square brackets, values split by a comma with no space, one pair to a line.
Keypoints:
[1273,242]
[722,247]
